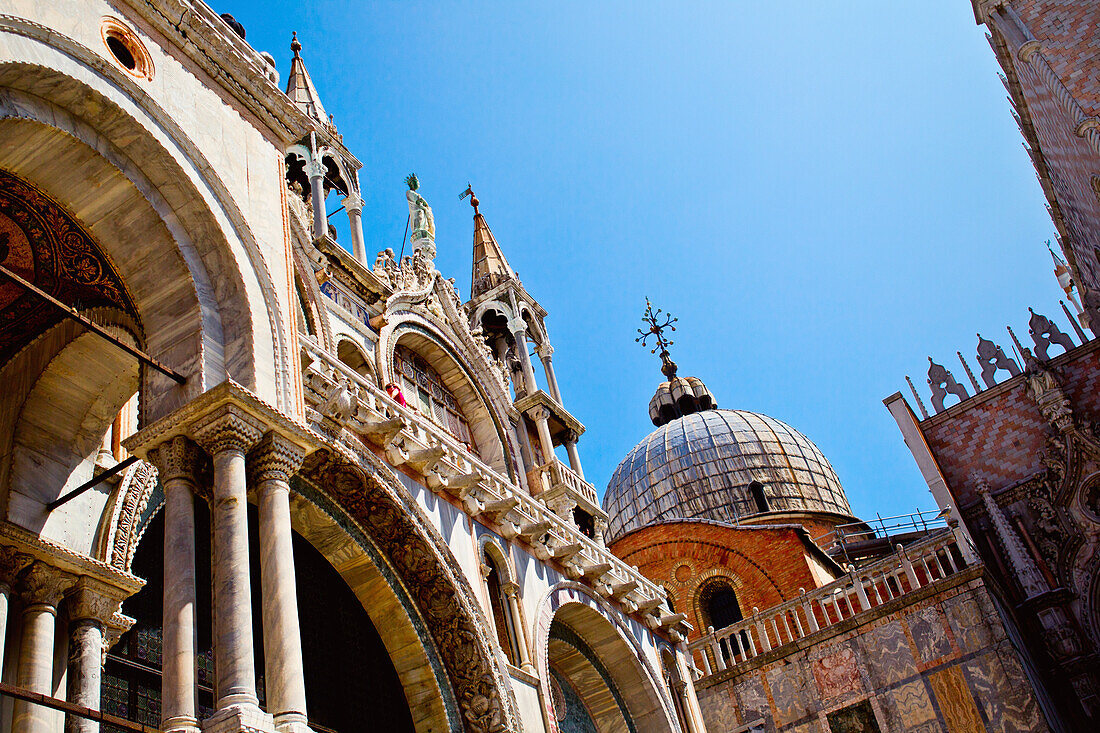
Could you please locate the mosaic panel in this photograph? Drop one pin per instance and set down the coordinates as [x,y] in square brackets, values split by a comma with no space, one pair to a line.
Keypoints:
[793,700]
[955,701]
[1001,690]
[858,718]
[837,674]
[890,659]
[929,634]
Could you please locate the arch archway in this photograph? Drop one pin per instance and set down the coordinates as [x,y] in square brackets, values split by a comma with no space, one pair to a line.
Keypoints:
[581,640]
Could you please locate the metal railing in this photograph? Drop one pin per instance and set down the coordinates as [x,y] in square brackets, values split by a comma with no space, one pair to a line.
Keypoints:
[449,467]
[881,528]
[861,590]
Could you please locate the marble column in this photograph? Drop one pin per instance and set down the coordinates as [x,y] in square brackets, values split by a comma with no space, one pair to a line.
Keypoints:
[519,333]
[11,562]
[353,204]
[272,463]
[541,415]
[227,434]
[41,589]
[574,456]
[546,353]
[91,606]
[175,461]
[511,592]
[316,172]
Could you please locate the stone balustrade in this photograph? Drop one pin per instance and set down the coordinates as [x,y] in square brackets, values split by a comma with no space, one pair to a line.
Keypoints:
[859,591]
[448,467]
[556,473]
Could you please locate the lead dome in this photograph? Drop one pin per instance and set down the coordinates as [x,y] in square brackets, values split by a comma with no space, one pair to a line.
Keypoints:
[703,466]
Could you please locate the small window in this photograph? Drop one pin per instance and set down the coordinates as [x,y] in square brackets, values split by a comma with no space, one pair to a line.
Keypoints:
[126,48]
[757,490]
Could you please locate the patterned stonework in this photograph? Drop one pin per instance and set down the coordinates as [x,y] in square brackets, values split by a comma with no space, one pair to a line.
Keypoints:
[909,708]
[929,634]
[955,701]
[889,655]
[793,700]
[836,673]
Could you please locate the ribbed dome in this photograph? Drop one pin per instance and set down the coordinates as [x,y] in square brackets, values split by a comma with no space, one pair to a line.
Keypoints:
[701,466]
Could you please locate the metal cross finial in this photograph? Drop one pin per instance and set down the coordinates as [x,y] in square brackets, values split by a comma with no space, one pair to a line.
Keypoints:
[657,329]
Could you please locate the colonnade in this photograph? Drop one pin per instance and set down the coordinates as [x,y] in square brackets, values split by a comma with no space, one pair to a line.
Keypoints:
[244,455]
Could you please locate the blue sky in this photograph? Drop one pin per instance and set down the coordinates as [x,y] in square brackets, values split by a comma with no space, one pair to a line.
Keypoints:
[824,194]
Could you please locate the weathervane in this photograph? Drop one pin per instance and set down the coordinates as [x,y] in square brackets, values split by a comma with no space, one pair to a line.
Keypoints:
[656,329]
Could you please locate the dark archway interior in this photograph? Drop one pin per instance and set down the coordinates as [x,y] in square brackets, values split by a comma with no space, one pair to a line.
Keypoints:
[350,679]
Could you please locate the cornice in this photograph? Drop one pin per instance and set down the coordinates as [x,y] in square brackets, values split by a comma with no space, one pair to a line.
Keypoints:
[200,33]
[68,560]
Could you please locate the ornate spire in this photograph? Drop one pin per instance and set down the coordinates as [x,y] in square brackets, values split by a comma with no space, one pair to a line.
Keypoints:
[1027,572]
[678,396]
[299,87]
[490,267]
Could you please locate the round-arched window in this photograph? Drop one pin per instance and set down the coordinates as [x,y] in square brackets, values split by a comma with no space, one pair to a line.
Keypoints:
[719,604]
[424,392]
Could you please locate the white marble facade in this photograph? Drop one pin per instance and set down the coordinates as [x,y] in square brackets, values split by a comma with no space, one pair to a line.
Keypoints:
[285,343]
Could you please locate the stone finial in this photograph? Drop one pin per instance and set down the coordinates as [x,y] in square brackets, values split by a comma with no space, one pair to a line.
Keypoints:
[1022,564]
[992,358]
[45,584]
[1045,333]
[943,383]
[228,428]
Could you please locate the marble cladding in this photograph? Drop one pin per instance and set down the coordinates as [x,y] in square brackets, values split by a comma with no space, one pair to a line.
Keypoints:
[941,663]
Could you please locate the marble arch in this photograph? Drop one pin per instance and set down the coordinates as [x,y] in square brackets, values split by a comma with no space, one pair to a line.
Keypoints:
[600,628]
[118,133]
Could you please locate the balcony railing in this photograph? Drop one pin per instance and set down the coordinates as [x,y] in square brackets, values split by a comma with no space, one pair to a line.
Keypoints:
[409,439]
[556,473]
[860,591]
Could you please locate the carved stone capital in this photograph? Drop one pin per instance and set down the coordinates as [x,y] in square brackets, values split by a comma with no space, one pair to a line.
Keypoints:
[11,563]
[94,601]
[510,589]
[228,428]
[177,458]
[44,583]
[540,413]
[274,459]
[353,203]
[1029,49]
[545,351]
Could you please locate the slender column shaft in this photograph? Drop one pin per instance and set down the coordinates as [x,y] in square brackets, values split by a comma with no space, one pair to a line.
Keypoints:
[235,657]
[543,426]
[520,335]
[272,463]
[354,206]
[316,173]
[42,590]
[511,592]
[546,356]
[175,461]
[574,458]
[85,672]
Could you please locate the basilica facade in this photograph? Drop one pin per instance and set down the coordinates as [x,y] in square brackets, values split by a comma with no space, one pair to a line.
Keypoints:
[252,481]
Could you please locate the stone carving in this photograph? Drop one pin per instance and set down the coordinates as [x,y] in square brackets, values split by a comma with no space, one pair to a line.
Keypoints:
[136,487]
[43,583]
[992,359]
[385,267]
[342,401]
[1044,388]
[454,625]
[11,563]
[274,459]
[1044,333]
[943,383]
[1048,532]
[421,220]
[228,428]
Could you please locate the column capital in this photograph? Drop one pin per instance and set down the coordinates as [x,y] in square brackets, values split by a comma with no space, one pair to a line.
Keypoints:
[44,583]
[228,428]
[274,458]
[177,458]
[545,350]
[314,169]
[540,413]
[12,561]
[93,601]
[353,203]
[517,325]
[510,589]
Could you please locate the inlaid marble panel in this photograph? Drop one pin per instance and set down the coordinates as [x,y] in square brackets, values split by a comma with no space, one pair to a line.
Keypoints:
[908,708]
[999,686]
[929,635]
[836,673]
[718,706]
[968,624]
[955,701]
[888,654]
[753,701]
[790,692]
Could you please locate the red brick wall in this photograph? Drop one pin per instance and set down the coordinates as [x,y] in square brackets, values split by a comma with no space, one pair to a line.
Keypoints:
[1000,433]
[766,566]
[1070,30]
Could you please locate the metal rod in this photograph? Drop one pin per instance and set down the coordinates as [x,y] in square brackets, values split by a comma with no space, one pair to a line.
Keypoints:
[116,469]
[329,216]
[72,709]
[95,328]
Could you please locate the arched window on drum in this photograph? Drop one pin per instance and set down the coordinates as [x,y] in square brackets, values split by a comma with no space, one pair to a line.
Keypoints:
[424,392]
